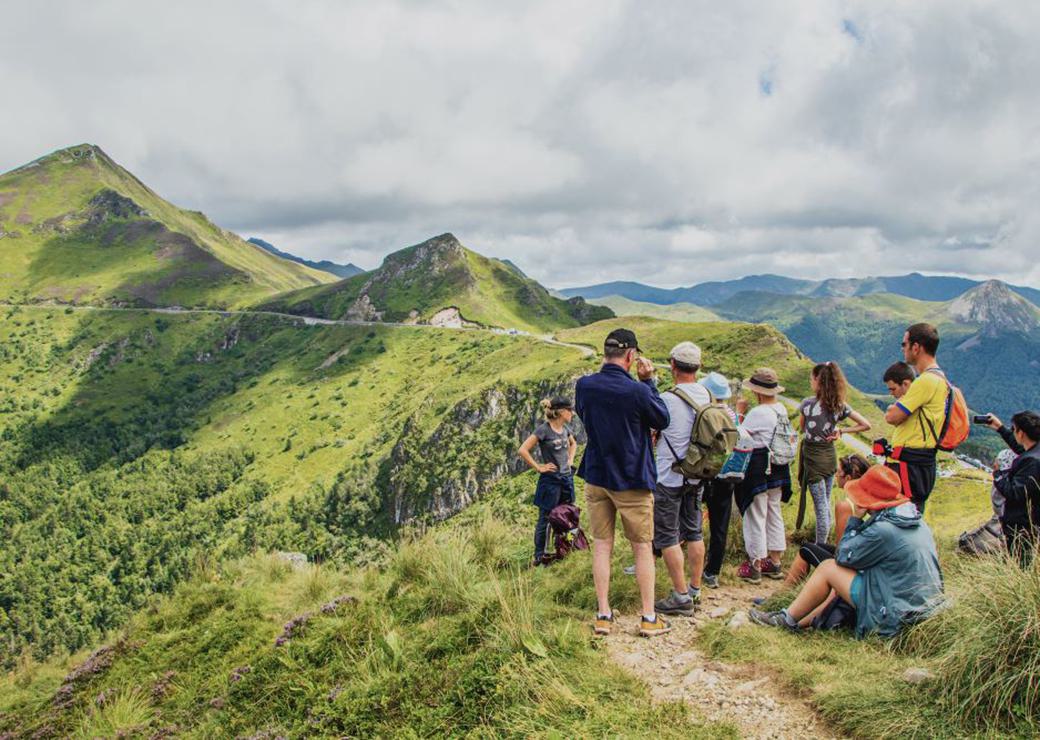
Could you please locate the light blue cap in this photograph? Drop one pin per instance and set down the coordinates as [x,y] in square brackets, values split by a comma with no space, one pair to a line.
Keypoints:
[717,385]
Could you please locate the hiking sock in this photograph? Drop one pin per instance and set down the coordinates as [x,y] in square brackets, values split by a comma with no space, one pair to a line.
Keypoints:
[604,616]
[693,593]
[652,620]
[788,619]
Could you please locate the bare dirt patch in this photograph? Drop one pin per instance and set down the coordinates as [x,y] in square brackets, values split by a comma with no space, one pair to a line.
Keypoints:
[676,670]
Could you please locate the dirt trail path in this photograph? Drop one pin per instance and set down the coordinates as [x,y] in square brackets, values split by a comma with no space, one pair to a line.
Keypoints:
[745,696]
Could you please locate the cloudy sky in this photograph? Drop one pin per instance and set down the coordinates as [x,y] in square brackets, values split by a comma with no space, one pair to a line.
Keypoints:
[665,142]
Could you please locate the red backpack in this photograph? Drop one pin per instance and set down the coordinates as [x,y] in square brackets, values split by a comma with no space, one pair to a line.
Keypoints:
[956,422]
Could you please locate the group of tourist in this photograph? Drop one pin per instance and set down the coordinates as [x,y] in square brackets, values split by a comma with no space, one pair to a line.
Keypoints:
[881,569]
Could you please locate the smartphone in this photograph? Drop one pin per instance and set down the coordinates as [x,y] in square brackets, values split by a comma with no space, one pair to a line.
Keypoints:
[981,419]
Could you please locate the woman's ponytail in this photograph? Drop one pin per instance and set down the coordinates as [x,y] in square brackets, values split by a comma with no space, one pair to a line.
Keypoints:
[547,409]
[833,388]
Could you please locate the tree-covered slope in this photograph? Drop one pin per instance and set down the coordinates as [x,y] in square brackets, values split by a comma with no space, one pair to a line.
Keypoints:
[76,227]
[425,282]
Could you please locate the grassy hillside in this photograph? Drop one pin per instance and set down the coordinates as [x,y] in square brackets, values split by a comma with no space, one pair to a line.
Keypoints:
[673,312]
[416,284]
[448,637]
[76,227]
[134,443]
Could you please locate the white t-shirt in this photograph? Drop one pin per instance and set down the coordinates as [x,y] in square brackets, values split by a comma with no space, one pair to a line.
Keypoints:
[760,423]
[678,431]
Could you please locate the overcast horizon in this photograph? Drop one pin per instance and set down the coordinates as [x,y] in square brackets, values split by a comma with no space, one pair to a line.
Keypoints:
[668,144]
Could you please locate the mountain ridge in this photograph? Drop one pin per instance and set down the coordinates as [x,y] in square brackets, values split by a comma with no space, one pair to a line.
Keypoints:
[911,285]
[334,268]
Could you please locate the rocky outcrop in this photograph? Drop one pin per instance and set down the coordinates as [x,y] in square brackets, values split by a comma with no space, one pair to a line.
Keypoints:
[437,474]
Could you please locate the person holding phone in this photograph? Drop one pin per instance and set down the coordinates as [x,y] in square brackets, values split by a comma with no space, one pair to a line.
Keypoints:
[1020,487]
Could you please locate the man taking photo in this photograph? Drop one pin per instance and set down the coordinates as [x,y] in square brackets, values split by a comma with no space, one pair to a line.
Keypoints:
[619,469]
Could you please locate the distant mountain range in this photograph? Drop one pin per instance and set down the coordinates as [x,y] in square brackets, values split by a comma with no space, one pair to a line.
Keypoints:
[75,227]
[340,271]
[914,285]
[442,282]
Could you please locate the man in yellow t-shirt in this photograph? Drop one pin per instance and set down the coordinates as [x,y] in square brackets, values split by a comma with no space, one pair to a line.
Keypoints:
[918,416]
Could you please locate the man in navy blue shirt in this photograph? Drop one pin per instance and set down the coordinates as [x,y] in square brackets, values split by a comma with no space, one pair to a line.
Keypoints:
[619,468]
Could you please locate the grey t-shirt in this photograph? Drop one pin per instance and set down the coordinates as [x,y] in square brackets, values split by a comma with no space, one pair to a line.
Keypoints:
[554,446]
[819,423]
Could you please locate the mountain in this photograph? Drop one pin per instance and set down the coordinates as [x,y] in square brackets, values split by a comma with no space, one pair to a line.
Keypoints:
[441,282]
[75,227]
[672,311]
[989,338]
[340,271]
[914,285]
[995,309]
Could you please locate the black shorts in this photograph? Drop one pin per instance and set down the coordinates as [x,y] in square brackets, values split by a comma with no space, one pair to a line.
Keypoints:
[814,554]
[677,516]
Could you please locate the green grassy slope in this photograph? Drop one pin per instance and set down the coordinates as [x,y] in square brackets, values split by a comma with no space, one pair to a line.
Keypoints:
[413,284]
[673,311]
[133,442]
[450,636]
[76,227]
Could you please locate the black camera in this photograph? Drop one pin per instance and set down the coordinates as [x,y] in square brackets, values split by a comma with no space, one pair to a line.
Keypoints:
[981,419]
[882,447]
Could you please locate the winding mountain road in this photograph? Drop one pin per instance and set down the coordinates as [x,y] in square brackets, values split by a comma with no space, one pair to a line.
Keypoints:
[585,350]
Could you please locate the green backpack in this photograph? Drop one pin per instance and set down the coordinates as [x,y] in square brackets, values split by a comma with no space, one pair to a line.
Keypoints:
[712,439]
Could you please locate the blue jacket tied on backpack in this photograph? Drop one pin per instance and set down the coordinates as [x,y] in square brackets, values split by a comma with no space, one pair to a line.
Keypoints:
[899,581]
[618,413]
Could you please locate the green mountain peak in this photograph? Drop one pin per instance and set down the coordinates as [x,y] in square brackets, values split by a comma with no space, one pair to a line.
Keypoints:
[440,281]
[76,227]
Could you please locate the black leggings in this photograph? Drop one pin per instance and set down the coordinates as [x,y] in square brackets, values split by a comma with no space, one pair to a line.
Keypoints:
[814,553]
[718,495]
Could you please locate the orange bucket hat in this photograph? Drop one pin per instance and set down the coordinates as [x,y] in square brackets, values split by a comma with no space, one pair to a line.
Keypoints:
[879,488]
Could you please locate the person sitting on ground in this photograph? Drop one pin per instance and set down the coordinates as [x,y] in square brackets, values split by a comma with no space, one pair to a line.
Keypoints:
[718,494]
[811,554]
[765,483]
[619,471]
[677,511]
[557,446]
[1021,486]
[820,415]
[918,416]
[886,566]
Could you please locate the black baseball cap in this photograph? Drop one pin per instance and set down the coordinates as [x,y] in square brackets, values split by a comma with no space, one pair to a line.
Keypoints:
[621,339]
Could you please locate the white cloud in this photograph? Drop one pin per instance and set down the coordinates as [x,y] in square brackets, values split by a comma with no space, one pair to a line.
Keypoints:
[665,142]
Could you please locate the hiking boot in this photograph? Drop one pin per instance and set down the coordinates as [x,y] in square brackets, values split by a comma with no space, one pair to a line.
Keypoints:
[749,572]
[658,627]
[603,624]
[629,570]
[771,619]
[676,603]
[770,569]
[710,581]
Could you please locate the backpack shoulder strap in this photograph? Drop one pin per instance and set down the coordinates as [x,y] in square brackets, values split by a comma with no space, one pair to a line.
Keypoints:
[688,400]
